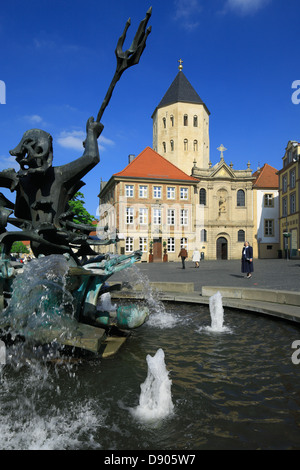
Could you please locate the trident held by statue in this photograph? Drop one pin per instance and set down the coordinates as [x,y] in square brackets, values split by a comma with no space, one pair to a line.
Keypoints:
[126,59]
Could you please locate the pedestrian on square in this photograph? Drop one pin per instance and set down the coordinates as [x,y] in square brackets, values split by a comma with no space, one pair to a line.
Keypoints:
[247,260]
[183,254]
[196,257]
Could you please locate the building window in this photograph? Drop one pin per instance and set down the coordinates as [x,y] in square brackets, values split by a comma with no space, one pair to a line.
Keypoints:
[143,216]
[172,120]
[284,184]
[269,228]
[157,192]
[129,215]
[171,217]
[284,207]
[268,200]
[171,245]
[184,216]
[144,244]
[195,145]
[143,191]
[293,203]
[129,245]
[157,216]
[184,243]
[202,196]
[184,193]
[292,179]
[185,144]
[240,200]
[195,121]
[203,235]
[172,145]
[241,235]
[129,190]
[164,122]
[185,120]
[164,147]
[170,192]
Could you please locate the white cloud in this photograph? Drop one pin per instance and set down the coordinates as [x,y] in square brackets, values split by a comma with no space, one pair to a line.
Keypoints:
[187,13]
[8,162]
[34,119]
[245,7]
[74,139]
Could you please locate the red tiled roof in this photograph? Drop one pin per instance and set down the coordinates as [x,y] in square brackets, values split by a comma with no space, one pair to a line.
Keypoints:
[149,164]
[266,177]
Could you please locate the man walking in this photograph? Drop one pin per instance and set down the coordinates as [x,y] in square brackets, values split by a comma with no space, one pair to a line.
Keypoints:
[183,254]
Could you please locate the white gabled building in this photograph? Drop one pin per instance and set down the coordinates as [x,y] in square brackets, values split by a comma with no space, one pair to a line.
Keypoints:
[266,241]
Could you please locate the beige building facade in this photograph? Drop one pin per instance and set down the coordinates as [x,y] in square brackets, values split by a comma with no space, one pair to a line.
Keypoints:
[211,207]
[289,192]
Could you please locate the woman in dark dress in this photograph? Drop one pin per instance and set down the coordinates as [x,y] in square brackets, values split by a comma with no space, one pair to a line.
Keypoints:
[247,260]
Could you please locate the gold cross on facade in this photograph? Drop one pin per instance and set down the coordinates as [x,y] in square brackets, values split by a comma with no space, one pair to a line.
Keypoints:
[221,149]
[180,64]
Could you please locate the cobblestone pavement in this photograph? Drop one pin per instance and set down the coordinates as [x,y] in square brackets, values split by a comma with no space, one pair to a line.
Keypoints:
[278,274]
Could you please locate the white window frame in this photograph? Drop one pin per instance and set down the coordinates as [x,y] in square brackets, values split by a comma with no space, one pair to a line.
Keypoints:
[171,245]
[143,216]
[170,192]
[156,216]
[143,191]
[129,190]
[184,217]
[143,242]
[129,245]
[171,217]
[184,193]
[157,192]
[129,215]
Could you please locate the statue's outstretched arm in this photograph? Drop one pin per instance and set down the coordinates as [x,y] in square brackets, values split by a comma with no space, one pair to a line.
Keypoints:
[8,179]
[80,167]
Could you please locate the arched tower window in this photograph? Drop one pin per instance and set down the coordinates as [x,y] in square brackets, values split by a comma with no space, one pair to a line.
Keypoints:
[164,147]
[203,235]
[172,120]
[195,121]
[164,122]
[195,145]
[172,145]
[202,196]
[240,198]
[241,235]
[185,120]
[186,144]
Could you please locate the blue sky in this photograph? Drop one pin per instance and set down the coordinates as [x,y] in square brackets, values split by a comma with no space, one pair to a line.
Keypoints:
[57,61]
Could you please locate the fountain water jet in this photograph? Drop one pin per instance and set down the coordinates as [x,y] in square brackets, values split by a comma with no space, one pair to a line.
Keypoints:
[216,314]
[155,401]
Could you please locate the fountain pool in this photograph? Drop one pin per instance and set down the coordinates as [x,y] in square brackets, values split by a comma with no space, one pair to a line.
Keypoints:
[235,389]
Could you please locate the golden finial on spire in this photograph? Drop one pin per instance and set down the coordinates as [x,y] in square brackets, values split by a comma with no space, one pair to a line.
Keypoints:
[180,65]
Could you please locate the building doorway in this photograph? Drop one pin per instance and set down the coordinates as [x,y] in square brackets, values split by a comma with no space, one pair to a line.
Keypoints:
[157,249]
[222,248]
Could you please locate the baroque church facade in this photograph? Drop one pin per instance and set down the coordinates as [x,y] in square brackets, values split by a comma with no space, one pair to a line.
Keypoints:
[213,208]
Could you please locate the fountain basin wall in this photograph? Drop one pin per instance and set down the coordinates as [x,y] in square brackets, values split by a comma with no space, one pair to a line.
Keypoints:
[281,304]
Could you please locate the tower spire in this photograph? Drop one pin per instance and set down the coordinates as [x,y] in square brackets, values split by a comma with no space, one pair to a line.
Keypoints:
[180,65]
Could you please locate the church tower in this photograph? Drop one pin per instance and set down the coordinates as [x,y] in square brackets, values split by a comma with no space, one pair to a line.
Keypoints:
[181,126]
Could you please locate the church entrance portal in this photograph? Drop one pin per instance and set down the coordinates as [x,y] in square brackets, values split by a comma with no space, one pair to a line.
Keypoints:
[222,248]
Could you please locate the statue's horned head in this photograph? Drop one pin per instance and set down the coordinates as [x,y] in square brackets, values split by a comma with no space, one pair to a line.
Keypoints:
[34,153]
